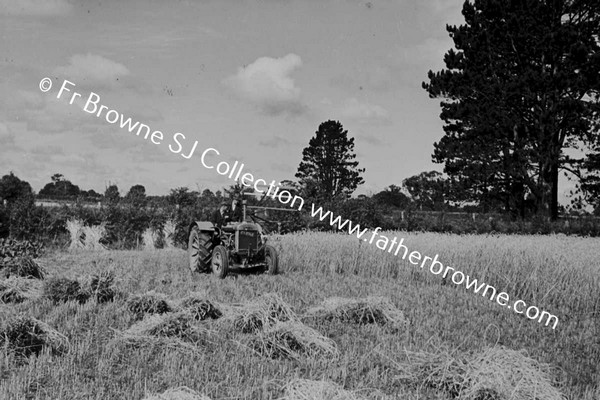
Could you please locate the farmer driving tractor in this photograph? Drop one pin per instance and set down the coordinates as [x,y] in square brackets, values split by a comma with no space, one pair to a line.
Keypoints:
[221,216]
[237,215]
[228,212]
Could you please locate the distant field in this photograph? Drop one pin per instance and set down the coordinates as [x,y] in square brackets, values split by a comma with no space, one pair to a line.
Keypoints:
[557,273]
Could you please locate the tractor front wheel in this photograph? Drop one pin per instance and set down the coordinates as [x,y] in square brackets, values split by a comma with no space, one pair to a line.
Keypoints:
[200,249]
[220,261]
[271,260]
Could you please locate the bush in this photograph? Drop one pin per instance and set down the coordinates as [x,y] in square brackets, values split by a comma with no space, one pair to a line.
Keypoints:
[15,248]
[23,266]
[61,290]
[183,217]
[4,222]
[26,220]
[25,336]
[101,286]
[365,212]
[126,225]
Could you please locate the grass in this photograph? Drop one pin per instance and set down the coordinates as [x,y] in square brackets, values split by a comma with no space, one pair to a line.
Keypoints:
[181,393]
[305,389]
[17,289]
[370,310]
[557,273]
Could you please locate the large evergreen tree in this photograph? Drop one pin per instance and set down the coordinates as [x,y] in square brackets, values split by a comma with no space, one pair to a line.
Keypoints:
[12,188]
[112,195]
[136,196]
[521,87]
[59,188]
[328,163]
[428,190]
[392,196]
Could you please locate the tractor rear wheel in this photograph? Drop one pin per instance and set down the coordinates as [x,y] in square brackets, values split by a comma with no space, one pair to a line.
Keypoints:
[200,248]
[271,260]
[220,261]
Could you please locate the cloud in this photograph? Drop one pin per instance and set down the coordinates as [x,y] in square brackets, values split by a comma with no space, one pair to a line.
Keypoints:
[43,112]
[364,112]
[449,9]
[426,55]
[267,83]
[34,7]
[30,100]
[377,79]
[49,115]
[93,70]
[47,149]
[281,167]
[7,139]
[274,142]
[372,140]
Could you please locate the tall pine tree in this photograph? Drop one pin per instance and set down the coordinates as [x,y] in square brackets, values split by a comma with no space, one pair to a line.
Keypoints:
[328,163]
[521,87]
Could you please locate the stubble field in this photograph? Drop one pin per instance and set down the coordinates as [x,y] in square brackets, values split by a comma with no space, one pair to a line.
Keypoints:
[446,324]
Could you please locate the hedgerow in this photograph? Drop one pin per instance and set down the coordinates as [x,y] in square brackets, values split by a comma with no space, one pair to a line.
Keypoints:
[125,224]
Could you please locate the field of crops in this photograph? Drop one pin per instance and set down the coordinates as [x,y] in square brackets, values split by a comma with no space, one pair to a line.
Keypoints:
[444,342]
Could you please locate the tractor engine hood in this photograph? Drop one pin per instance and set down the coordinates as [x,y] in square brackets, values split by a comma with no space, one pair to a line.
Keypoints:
[248,226]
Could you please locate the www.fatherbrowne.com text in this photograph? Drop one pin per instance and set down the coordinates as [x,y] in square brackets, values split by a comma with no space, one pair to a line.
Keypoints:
[235,172]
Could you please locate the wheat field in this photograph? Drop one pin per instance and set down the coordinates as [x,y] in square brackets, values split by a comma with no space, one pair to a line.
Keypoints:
[446,324]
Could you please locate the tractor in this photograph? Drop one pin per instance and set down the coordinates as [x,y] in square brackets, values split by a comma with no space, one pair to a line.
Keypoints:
[236,245]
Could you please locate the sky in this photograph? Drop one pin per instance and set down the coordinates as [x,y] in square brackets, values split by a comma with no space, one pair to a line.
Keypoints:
[252,79]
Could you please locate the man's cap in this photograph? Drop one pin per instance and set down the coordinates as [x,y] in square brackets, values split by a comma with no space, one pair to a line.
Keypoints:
[224,203]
